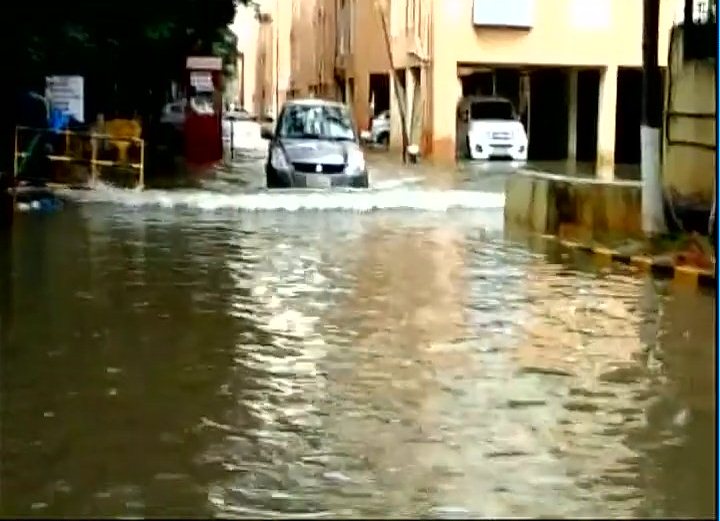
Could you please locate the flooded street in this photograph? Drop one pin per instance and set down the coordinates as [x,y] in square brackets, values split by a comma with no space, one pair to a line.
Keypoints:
[224,351]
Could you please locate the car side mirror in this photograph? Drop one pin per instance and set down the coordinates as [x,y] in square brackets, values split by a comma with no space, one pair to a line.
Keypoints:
[266,132]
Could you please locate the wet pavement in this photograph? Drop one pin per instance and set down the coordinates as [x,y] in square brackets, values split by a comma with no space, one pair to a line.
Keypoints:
[224,351]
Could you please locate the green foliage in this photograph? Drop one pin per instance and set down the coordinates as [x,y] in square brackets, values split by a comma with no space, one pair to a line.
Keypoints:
[128,51]
[128,48]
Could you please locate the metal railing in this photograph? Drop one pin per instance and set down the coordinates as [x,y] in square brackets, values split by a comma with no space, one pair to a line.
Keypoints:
[91,149]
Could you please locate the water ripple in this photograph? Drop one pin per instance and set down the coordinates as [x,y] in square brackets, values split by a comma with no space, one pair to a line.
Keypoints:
[334,364]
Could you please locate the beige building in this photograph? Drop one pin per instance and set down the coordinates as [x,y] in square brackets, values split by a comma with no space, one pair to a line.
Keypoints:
[326,48]
[272,57]
[295,55]
[246,28]
[572,67]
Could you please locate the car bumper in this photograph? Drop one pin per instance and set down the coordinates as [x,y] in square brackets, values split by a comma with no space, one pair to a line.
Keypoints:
[317,181]
[514,152]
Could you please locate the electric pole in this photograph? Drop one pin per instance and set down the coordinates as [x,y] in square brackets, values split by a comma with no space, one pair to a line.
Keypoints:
[399,90]
[653,217]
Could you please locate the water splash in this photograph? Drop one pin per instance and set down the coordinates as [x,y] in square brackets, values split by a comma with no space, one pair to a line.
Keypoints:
[396,198]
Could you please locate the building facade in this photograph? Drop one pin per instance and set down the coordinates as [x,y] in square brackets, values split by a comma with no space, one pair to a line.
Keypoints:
[566,52]
[241,89]
[571,67]
[272,61]
[326,48]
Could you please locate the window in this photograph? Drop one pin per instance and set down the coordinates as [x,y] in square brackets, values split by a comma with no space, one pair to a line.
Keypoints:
[316,121]
[492,110]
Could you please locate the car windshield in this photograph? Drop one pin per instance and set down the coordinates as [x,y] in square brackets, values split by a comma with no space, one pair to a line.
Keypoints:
[492,110]
[316,122]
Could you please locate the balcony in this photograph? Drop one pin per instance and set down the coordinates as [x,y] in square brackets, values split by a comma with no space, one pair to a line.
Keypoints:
[517,14]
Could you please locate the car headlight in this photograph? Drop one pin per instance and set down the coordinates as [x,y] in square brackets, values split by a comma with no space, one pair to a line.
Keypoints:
[356,161]
[278,160]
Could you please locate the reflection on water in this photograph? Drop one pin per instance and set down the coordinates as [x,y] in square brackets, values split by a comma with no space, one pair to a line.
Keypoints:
[342,364]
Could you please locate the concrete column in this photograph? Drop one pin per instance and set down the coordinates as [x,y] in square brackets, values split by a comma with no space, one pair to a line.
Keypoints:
[350,92]
[361,103]
[446,92]
[395,119]
[409,103]
[572,114]
[607,103]
[425,128]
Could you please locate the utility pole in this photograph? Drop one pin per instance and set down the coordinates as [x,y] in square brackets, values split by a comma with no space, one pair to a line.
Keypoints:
[399,91]
[277,60]
[653,218]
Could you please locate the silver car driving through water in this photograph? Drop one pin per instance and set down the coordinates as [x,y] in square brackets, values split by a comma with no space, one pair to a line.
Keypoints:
[315,145]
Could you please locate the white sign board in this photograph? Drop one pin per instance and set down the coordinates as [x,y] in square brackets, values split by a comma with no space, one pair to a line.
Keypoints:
[67,94]
[202,81]
[590,14]
[504,13]
[206,63]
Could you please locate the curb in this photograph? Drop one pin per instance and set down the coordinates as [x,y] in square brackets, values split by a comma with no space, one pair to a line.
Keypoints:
[660,268]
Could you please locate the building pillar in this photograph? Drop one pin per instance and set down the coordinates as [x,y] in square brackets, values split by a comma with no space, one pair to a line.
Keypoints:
[350,92]
[361,103]
[446,92]
[607,103]
[572,114]
[409,103]
[395,119]
[425,128]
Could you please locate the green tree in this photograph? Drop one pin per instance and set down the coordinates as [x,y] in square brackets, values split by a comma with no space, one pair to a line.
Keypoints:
[129,52]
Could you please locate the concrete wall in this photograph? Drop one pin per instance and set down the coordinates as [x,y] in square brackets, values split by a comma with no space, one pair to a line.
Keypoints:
[584,209]
[246,28]
[273,56]
[369,54]
[564,32]
[689,168]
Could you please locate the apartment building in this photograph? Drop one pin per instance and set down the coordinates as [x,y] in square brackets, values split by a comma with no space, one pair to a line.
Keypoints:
[362,62]
[571,67]
[241,88]
[273,55]
[326,48]
[296,48]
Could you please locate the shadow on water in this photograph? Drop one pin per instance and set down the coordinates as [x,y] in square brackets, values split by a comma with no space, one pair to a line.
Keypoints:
[6,287]
[122,337]
[666,457]
[202,358]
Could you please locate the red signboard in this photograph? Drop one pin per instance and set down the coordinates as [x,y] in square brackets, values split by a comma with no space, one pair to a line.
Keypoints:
[203,117]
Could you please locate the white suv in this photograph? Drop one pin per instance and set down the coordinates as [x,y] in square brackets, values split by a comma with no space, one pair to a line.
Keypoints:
[491,128]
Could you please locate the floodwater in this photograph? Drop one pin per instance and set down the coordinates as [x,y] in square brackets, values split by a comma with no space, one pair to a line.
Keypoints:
[226,352]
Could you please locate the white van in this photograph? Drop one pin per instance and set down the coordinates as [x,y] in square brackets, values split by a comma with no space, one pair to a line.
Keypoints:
[490,128]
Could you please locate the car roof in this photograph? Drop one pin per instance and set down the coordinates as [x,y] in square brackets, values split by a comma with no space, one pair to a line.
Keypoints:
[315,102]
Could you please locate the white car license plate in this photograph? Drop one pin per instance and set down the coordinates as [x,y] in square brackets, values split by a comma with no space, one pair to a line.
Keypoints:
[317,181]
